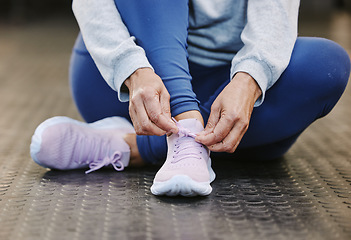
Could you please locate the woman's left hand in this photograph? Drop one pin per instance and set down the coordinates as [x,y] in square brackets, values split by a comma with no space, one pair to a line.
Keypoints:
[230,114]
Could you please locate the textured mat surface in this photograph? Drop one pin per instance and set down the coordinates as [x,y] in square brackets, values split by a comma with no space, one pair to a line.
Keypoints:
[305,195]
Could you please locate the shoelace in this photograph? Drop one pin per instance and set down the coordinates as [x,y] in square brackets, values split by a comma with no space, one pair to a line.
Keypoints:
[185,146]
[96,149]
[115,161]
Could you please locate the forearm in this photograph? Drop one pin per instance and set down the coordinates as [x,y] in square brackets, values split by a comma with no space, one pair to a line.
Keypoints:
[108,41]
[268,38]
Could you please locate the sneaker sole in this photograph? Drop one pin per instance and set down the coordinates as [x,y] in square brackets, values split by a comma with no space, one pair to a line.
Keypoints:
[101,124]
[183,185]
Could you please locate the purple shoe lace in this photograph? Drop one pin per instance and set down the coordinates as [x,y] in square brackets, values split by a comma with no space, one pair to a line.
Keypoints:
[115,161]
[185,146]
[96,149]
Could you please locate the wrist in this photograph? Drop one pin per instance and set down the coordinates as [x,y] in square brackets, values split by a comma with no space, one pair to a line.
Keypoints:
[136,75]
[248,83]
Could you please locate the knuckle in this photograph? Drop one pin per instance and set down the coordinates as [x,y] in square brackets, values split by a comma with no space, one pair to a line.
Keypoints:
[144,126]
[133,101]
[214,106]
[147,93]
[210,124]
[167,96]
[159,133]
[231,151]
[138,131]
[142,91]
[244,124]
[154,117]
[228,147]
[166,111]
[146,129]
[148,97]
[219,136]
[233,116]
[140,94]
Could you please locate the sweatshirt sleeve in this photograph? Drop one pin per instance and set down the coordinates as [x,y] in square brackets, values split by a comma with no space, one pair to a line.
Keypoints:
[109,43]
[269,37]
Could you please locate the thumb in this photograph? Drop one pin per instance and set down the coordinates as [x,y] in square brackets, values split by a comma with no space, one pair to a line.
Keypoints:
[166,111]
[211,123]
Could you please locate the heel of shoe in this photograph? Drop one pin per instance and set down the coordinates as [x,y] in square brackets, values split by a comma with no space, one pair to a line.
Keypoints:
[210,170]
[36,142]
[35,147]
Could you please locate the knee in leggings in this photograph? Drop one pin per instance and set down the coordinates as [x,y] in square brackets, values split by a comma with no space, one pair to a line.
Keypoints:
[337,75]
[325,67]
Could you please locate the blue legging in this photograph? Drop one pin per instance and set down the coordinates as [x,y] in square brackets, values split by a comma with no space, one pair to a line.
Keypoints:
[307,90]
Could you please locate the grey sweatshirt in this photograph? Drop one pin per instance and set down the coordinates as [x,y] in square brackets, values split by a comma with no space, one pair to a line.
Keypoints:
[254,36]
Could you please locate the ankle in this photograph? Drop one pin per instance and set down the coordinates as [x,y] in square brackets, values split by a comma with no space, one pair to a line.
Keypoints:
[190,114]
[135,158]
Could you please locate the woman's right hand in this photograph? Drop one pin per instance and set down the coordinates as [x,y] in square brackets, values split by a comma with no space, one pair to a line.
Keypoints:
[149,106]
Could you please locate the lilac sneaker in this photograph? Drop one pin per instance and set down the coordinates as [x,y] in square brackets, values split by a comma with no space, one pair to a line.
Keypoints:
[187,170]
[63,143]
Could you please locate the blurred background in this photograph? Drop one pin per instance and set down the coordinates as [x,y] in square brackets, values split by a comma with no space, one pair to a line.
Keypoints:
[20,11]
[24,10]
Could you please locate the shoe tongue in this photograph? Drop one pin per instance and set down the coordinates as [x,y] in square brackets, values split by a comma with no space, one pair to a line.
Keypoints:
[192,124]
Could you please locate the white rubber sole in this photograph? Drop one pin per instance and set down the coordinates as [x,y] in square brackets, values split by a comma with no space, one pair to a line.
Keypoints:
[106,123]
[183,185]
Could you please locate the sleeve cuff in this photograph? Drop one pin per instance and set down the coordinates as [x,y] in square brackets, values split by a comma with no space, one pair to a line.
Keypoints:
[128,63]
[258,70]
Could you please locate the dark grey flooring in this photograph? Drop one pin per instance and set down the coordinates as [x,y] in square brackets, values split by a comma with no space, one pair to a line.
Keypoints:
[305,195]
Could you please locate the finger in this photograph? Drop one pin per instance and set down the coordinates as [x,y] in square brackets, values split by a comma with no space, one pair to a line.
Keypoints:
[211,123]
[165,105]
[145,126]
[154,111]
[142,124]
[219,132]
[213,119]
[166,111]
[232,140]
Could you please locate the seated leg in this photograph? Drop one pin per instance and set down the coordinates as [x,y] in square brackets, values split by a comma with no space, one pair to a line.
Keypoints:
[307,90]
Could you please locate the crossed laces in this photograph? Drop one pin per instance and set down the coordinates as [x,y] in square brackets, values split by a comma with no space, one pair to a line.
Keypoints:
[185,146]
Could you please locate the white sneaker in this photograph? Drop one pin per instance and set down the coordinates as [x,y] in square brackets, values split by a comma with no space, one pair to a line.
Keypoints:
[187,170]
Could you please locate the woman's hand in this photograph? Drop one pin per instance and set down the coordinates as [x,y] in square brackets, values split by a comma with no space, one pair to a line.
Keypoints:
[149,106]
[230,114]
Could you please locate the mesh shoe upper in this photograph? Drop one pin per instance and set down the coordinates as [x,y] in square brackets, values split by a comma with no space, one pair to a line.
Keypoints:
[185,155]
[63,143]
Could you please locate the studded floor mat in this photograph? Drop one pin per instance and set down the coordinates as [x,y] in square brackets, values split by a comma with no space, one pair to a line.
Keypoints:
[305,195]
[283,199]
